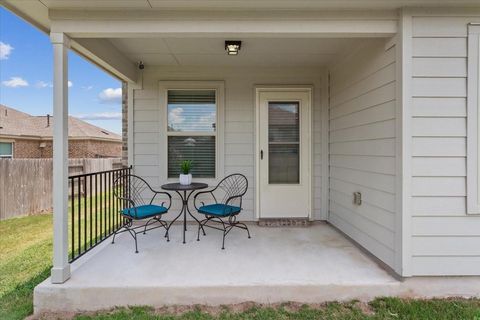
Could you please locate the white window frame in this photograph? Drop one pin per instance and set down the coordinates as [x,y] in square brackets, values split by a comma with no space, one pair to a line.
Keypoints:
[473,119]
[13,148]
[219,88]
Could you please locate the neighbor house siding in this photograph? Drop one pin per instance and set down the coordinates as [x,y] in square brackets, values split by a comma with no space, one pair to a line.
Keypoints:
[362,147]
[239,132]
[445,240]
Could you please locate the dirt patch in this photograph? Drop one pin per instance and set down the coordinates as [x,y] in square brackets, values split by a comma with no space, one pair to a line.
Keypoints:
[364,307]
[52,316]
[178,310]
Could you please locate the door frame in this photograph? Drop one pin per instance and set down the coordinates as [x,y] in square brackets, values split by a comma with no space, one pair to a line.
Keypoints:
[283,88]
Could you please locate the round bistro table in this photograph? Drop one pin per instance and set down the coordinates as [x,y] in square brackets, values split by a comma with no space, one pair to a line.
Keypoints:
[185,195]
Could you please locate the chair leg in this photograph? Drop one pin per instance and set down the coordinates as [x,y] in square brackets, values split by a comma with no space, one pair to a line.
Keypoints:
[114,234]
[223,240]
[165,225]
[136,246]
[133,233]
[224,233]
[198,231]
[125,226]
[244,227]
[146,225]
[200,226]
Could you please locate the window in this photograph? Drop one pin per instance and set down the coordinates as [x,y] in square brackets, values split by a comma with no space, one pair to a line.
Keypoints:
[473,120]
[6,150]
[193,128]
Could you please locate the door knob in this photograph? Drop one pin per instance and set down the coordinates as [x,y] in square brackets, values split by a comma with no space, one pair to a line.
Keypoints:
[261,154]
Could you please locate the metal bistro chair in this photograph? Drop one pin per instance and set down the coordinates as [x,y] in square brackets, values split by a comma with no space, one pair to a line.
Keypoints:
[224,213]
[137,198]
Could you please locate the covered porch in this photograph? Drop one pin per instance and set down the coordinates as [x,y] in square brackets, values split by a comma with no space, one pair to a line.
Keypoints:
[337,70]
[307,265]
[311,264]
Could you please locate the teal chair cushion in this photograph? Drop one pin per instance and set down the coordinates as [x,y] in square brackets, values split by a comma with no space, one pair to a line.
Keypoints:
[144,211]
[220,210]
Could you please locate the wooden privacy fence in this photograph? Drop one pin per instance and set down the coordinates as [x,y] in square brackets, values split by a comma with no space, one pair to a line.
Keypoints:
[26,184]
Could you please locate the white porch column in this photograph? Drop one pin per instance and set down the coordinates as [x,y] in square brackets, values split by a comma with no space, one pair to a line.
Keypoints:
[61,267]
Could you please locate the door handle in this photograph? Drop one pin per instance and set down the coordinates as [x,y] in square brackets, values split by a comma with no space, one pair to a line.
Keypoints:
[261,154]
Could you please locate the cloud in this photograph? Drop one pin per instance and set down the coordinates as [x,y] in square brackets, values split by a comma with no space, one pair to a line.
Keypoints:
[15,82]
[100,116]
[175,116]
[206,122]
[42,84]
[5,50]
[87,88]
[70,83]
[111,95]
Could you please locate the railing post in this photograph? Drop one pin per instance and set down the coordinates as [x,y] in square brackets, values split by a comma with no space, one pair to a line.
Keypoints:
[61,267]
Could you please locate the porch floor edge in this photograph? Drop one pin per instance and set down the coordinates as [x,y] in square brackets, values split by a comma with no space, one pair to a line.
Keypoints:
[51,298]
[306,265]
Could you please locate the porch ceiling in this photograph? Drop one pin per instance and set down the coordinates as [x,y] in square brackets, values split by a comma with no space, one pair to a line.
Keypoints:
[272,52]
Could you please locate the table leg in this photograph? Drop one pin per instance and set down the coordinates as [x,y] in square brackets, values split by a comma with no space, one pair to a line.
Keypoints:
[171,223]
[184,209]
[191,215]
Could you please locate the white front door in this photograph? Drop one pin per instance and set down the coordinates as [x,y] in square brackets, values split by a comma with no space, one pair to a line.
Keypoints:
[283,151]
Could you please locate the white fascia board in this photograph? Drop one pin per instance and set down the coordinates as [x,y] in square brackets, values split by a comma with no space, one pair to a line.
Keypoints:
[107,56]
[101,52]
[221,28]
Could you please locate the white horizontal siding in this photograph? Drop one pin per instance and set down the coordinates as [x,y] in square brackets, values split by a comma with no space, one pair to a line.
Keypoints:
[440,47]
[445,241]
[439,87]
[439,206]
[441,265]
[440,67]
[362,147]
[439,107]
[239,138]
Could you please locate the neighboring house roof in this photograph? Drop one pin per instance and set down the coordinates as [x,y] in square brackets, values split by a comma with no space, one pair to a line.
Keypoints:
[20,124]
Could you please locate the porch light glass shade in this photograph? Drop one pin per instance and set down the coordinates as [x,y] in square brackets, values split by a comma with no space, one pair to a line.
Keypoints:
[232,47]
[6,149]
[283,143]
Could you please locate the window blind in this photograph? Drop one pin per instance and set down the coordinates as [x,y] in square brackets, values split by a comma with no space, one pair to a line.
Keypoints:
[6,149]
[190,112]
[199,149]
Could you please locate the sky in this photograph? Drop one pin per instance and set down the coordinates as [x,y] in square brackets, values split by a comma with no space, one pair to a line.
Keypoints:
[26,76]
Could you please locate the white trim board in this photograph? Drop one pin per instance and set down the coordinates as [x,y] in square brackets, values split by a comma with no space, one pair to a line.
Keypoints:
[269,88]
[473,120]
[219,87]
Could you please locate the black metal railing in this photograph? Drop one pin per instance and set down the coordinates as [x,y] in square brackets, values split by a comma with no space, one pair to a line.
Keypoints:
[94,211]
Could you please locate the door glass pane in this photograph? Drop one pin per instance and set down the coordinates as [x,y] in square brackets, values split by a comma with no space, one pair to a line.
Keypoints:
[283,122]
[283,143]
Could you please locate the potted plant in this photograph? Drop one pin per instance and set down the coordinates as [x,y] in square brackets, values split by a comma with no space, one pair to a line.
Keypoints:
[186,176]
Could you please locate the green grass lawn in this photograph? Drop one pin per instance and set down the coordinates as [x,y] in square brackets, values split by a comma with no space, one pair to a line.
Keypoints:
[25,258]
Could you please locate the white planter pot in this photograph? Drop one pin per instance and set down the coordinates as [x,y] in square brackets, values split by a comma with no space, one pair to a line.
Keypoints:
[185,179]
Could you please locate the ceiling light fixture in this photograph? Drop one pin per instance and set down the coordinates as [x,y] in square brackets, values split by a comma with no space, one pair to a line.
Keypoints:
[232,47]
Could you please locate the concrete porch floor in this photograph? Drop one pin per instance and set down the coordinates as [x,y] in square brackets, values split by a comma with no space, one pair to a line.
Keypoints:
[313,264]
